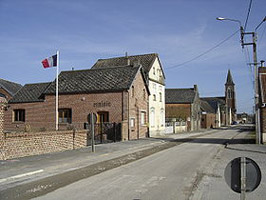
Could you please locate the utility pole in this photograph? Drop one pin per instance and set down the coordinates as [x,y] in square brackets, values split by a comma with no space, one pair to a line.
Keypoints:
[256,84]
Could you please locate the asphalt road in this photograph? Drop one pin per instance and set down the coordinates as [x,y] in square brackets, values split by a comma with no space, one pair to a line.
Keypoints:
[185,171]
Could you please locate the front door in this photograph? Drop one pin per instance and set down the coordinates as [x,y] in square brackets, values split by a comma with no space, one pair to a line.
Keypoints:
[103,117]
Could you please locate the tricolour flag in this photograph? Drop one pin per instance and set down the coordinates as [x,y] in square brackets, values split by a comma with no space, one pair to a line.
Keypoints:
[50,62]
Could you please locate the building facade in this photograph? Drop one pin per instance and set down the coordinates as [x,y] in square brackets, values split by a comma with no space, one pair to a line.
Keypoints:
[155,77]
[184,105]
[116,95]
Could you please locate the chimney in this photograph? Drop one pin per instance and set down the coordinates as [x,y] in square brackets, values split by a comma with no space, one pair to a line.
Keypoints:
[262,63]
[196,88]
[128,61]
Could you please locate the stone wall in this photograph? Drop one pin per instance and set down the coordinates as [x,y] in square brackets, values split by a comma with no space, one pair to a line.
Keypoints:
[14,145]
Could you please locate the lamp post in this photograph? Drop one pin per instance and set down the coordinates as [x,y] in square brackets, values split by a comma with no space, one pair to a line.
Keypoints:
[254,44]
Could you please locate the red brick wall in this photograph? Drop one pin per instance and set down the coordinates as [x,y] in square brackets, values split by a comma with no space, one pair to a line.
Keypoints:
[263,119]
[138,103]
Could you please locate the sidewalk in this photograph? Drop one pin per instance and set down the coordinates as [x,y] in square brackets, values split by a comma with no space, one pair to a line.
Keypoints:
[27,169]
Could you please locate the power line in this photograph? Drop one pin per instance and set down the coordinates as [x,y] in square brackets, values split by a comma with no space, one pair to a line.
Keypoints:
[246,22]
[204,53]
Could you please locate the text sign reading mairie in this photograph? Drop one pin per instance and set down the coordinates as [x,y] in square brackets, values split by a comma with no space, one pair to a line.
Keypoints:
[102,104]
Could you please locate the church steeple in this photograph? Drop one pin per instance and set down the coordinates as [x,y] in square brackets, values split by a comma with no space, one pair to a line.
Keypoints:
[229,80]
[230,96]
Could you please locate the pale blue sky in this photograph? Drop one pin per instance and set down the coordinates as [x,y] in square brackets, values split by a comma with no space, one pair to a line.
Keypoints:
[178,30]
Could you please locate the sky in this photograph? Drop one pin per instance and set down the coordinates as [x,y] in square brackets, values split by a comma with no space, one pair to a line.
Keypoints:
[194,47]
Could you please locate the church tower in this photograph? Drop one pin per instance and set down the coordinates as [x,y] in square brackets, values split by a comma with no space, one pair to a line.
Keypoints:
[230,97]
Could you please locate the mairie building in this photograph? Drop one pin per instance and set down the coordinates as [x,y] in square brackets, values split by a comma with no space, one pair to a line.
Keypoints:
[155,78]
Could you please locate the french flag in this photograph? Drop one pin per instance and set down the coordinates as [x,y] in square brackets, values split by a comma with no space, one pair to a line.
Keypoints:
[50,62]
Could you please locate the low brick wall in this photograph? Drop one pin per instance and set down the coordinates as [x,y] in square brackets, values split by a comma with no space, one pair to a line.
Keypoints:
[14,145]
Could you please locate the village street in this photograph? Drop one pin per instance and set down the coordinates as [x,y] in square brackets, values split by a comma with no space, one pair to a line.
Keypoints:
[191,168]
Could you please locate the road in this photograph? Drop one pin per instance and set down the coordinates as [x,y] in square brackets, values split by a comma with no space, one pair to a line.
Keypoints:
[191,170]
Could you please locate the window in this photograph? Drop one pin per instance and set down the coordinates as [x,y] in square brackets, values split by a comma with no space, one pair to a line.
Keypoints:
[152,117]
[229,93]
[132,122]
[142,118]
[154,88]
[160,96]
[19,115]
[144,94]
[154,97]
[65,115]
[132,94]
[162,117]
[153,70]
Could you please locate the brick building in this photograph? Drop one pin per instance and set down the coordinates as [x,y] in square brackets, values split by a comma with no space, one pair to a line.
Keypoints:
[183,105]
[262,103]
[155,77]
[116,94]
[8,89]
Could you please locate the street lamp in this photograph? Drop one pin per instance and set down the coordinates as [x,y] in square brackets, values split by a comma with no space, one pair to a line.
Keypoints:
[241,27]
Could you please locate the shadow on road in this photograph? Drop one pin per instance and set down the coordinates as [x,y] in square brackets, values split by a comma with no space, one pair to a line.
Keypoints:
[222,141]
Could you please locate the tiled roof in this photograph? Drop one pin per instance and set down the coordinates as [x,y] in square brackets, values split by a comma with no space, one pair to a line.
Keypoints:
[186,95]
[146,60]
[9,86]
[214,101]
[30,93]
[206,107]
[95,80]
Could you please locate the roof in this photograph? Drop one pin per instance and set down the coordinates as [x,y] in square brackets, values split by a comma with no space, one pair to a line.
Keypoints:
[10,87]
[214,101]
[95,80]
[206,107]
[229,79]
[30,93]
[146,60]
[262,84]
[184,95]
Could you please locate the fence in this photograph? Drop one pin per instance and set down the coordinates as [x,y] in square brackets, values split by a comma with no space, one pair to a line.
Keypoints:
[19,144]
[175,127]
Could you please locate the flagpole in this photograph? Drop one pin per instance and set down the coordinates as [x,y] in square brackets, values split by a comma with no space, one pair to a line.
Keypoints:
[56,95]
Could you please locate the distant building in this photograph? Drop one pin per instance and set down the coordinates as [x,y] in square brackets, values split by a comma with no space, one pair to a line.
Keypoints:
[8,89]
[115,94]
[183,104]
[224,107]
[156,80]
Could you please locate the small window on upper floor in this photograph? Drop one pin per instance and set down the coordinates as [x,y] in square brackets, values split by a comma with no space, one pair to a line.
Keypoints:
[144,94]
[153,70]
[160,96]
[154,97]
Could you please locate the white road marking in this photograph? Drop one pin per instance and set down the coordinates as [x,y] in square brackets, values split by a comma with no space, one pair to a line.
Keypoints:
[21,175]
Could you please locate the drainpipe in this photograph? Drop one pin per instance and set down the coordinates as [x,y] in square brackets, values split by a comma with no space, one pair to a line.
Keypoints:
[128,117]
